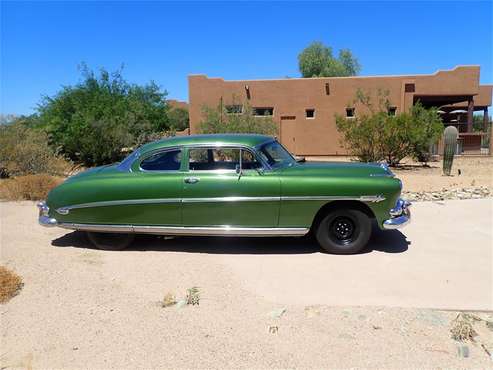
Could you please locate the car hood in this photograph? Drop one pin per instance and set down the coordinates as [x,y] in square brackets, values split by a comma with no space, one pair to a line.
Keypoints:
[343,169]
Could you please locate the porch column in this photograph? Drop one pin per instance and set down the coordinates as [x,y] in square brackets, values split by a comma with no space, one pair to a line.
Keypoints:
[470,111]
[485,119]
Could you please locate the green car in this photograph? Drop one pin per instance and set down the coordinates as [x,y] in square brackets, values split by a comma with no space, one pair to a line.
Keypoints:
[227,185]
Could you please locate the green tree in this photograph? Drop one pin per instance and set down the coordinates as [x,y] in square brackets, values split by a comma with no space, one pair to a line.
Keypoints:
[218,120]
[178,119]
[317,60]
[92,121]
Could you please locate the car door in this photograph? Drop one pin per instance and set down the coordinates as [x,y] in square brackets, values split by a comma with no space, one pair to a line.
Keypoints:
[155,188]
[227,186]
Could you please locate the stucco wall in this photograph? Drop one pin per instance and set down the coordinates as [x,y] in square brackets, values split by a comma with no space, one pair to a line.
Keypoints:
[291,97]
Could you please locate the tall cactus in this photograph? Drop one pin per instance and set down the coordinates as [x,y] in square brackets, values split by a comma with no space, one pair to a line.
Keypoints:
[450,140]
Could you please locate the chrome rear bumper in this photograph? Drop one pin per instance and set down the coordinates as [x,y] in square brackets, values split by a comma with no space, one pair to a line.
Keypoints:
[44,219]
[400,215]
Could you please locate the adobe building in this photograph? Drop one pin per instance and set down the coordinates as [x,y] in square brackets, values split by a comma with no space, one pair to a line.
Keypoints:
[304,108]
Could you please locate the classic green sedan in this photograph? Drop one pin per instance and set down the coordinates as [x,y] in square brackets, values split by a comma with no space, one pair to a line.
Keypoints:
[227,185]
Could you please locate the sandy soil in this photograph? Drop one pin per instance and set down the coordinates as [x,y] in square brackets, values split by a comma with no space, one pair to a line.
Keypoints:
[84,308]
[475,171]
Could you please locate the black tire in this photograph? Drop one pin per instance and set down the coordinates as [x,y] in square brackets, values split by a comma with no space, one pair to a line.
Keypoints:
[110,241]
[344,231]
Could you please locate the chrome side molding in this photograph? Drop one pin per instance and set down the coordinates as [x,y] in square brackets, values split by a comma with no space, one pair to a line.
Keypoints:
[181,230]
[364,198]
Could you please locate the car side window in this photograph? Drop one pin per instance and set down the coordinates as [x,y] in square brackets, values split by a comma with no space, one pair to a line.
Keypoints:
[208,159]
[164,161]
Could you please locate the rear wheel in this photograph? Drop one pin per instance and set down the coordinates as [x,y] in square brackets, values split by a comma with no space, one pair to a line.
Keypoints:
[110,241]
[344,231]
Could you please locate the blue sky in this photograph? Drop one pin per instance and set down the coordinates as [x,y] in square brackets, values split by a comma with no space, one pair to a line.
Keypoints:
[42,43]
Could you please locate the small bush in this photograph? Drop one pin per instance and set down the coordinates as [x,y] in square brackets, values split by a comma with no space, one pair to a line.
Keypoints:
[462,327]
[10,284]
[219,121]
[375,135]
[193,296]
[168,300]
[30,187]
[25,151]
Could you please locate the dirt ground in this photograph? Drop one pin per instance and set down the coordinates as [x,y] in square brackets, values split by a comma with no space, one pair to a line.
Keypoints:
[85,308]
[474,171]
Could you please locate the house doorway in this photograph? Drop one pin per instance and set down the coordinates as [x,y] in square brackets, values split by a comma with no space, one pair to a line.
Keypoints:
[288,133]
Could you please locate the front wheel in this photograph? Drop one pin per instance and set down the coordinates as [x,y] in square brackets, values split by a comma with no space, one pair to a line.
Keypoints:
[110,241]
[344,231]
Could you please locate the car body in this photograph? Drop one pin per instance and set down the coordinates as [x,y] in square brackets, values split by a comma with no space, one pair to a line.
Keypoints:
[224,184]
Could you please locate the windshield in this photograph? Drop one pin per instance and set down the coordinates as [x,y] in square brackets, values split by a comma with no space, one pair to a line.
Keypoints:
[275,155]
[127,162]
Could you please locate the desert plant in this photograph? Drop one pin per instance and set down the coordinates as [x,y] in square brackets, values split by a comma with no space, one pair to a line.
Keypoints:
[427,128]
[178,118]
[10,284]
[25,150]
[30,187]
[462,327]
[450,135]
[168,300]
[92,121]
[218,120]
[193,296]
[376,135]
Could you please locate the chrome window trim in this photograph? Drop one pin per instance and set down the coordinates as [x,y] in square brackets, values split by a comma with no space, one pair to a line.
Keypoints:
[223,230]
[252,150]
[230,199]
[365,198]
[144,156]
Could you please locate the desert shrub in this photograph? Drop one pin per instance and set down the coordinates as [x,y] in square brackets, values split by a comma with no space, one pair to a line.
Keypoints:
[178,119]
[30,187]
[219,121]
[426,129]
[92,121]
[376,135]
[25,150]
[10,284]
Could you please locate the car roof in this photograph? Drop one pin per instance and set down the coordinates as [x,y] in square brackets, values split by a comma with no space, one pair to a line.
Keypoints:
[249,140]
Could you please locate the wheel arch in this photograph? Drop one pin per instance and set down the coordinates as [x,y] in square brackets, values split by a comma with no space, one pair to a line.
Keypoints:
[341,204]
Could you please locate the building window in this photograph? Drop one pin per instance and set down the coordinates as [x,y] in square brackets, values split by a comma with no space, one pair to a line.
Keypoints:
[327,89]
[409,88]
[349,112]
[234,109]
[310,113]
[263,111]
[392,111]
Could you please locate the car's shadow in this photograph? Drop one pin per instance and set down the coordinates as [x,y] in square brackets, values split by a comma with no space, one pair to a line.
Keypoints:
[391,241]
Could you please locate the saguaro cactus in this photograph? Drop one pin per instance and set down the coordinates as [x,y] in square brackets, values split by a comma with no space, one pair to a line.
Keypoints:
[450,140]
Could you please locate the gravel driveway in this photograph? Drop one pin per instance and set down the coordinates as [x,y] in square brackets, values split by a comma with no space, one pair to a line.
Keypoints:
[84,308]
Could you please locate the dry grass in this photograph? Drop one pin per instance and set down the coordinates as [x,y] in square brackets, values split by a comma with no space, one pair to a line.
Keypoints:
[30,187]
[10,284]
[462,327]
[168,300]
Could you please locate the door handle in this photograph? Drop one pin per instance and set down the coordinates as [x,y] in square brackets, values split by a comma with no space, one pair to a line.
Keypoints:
[191,180]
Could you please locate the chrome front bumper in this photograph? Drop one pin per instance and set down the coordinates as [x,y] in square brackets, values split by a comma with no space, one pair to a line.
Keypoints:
[44,219]
[400,215]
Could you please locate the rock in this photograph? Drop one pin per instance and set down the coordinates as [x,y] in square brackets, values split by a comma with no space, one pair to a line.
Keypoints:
[463,350]
[277,313]
[181,303]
